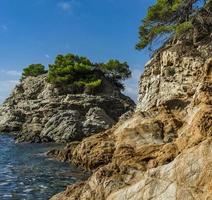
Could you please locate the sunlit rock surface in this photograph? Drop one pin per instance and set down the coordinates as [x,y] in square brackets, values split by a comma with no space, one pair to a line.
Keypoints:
[40,112]
[162,151]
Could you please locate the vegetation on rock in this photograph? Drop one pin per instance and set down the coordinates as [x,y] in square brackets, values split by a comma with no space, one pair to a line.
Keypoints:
[115,71]
[167,18]
[33,70]
[80,73]
[74,71]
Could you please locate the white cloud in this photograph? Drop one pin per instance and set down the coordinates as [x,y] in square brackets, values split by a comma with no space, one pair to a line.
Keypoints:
[132,85]
[5,89]
[8,80]
[65,6]
[7,85]
[11,72]
[131,90]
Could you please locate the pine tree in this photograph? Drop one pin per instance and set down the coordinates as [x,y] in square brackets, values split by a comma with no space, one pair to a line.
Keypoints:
[167,18]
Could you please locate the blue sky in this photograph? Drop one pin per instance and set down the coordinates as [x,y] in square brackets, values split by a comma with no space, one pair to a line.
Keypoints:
[35,31]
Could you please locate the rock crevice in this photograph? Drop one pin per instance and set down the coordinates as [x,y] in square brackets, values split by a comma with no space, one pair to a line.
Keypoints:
[163,150]
[37,111]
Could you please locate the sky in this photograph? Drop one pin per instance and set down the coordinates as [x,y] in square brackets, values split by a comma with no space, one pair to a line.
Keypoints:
[35,31]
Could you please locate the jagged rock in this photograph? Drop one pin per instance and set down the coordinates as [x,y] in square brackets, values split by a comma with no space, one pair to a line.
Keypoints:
[96,118]
[187,177]
[40,112]
[65,125]
[164,149]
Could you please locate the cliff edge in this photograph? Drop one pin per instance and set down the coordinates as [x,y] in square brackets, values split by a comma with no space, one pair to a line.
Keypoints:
[164,149]
[38,111]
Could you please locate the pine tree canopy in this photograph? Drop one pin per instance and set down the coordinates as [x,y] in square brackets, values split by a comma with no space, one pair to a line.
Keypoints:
[167,18]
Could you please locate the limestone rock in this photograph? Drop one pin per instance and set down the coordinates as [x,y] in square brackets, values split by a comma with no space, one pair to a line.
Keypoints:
[40,112]
[187,177]
[163,151]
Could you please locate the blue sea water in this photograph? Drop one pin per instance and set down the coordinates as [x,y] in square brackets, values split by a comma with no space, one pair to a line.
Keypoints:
[27,174]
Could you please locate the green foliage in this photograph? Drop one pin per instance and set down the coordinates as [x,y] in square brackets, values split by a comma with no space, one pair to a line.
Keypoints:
[116,69]
[68,69]
[208,5]
[71,59]
[183,27]
[82,74]
[68,74]
[94,84]
[88,83]
[33,70]
[164,19]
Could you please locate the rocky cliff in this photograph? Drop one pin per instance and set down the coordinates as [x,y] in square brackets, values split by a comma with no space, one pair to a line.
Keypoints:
[38,111]
[164,149]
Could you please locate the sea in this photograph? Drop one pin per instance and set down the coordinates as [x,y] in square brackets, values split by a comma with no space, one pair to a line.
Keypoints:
[26,173]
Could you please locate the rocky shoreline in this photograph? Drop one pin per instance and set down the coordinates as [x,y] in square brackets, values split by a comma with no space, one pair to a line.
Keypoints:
[37,111]
[163,150]
[160,150]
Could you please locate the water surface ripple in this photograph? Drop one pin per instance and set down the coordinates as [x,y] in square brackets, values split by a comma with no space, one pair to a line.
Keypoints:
[27,174]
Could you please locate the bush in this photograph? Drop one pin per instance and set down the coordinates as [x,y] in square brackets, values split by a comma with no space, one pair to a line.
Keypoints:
[71,59]
[81,73]
[33,70]
[73,71]
[183,27]
[94,84]
[116,69]
[89,87]
[116,72]
[68,74]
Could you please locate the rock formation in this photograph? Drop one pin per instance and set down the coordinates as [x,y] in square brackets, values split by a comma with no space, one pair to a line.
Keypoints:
[38,111]
[164,149]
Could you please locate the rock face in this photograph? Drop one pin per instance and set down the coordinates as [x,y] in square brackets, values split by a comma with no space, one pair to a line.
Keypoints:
[173,74]
[163,151]
[41,112]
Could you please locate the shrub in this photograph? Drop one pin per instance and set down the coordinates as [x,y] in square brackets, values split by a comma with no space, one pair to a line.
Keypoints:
[116,71]
[73,71]
[33,70]
[68,74]
[81,73]
[94,84]
[183,27]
